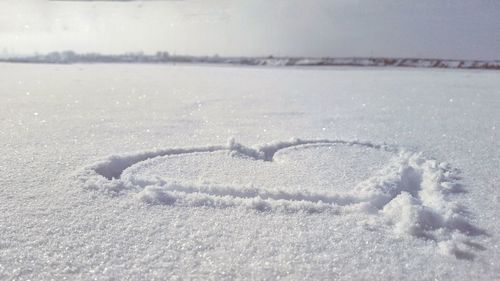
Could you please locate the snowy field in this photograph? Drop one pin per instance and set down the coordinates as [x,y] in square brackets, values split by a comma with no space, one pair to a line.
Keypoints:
[153,172]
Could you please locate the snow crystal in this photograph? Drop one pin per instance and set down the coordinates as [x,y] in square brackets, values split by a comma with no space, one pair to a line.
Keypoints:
[178,202]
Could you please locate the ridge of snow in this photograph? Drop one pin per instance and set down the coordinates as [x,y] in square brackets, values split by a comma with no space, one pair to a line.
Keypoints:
[410,194]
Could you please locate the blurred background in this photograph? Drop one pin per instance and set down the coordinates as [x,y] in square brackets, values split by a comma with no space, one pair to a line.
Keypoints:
[317,28]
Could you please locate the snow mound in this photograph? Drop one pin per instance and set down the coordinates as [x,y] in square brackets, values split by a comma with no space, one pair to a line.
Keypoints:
[411,194]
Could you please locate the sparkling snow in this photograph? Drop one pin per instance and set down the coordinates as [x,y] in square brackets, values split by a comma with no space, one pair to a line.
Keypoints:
[151,172]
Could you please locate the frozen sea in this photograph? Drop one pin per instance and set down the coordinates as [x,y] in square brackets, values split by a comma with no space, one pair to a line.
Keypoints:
[155,172]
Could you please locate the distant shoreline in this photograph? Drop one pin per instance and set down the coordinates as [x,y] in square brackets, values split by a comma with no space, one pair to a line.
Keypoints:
[69,57]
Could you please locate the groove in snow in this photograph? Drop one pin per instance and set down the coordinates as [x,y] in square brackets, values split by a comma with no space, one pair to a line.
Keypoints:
[411,193]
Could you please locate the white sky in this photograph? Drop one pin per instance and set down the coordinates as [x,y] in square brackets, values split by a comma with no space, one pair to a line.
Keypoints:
[395,28]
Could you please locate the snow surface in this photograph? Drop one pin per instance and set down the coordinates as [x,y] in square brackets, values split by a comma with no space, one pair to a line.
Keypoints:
[184,172]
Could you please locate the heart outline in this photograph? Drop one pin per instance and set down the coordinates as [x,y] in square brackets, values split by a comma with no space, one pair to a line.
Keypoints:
[411,193]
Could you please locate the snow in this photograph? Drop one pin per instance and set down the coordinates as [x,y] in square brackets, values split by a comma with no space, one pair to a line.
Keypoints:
[185,171]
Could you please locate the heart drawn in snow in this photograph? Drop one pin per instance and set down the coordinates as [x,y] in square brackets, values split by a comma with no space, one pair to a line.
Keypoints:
[398,187]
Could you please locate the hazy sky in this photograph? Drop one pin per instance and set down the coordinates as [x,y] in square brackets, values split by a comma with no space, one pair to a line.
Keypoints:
[397,28]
